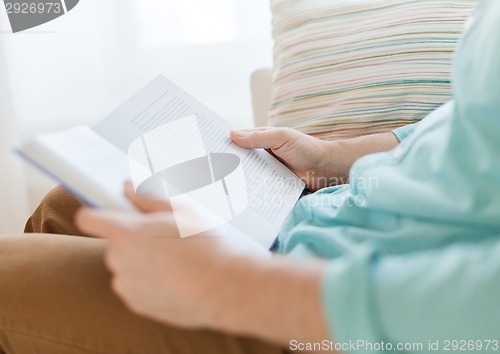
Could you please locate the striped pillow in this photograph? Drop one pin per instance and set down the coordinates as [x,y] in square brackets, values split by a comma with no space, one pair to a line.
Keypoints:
[344,68]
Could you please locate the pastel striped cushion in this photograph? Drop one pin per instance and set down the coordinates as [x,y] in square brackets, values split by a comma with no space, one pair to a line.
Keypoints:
[345,68]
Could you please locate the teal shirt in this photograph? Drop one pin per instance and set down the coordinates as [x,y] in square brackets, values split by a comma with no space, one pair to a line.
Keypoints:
[413,242]
[404,132]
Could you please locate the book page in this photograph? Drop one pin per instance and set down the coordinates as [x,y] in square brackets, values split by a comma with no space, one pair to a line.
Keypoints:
[182,151]
[90,167]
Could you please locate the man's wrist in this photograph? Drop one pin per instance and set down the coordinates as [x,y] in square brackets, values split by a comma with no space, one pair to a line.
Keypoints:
[226,288]
[337,162]
[343,153]
[256,298]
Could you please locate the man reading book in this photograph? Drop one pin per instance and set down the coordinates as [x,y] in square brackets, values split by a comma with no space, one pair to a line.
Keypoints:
[410,261]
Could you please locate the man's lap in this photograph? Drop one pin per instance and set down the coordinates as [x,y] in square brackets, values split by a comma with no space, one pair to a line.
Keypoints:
[56,297]
[55,214]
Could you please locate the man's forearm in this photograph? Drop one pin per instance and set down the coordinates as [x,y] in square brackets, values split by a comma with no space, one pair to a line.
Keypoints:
[276,299]
[344,153]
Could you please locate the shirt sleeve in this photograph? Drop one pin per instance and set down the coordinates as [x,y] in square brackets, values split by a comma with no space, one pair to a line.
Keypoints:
[417,300]
[403,132]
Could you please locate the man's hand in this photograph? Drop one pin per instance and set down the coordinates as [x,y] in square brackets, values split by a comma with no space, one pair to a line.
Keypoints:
[318,163]
[156,273]
[201,282]
[309,158]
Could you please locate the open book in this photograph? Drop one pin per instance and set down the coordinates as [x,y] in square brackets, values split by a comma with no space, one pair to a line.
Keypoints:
[171,146]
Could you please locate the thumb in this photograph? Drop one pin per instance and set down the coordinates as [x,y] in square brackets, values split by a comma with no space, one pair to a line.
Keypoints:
[102,224]
[146,205]
[266,138]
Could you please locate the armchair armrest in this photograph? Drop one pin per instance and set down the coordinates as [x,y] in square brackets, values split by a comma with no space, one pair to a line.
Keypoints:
[261,82]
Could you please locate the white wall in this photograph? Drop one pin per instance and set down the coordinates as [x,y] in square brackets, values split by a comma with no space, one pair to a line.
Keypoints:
[13,198]
[78,68]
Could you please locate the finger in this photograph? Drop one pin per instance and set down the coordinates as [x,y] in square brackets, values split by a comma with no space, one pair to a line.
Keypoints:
[146,205]
[158,225]
[256,129]
[266,138]
[114,225]
[102,224]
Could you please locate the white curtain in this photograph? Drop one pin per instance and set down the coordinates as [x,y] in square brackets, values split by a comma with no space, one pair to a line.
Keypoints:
[81,66]
[78,68]
[13,198]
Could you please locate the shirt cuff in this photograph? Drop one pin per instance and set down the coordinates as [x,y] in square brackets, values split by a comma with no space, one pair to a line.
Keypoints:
[404,132]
